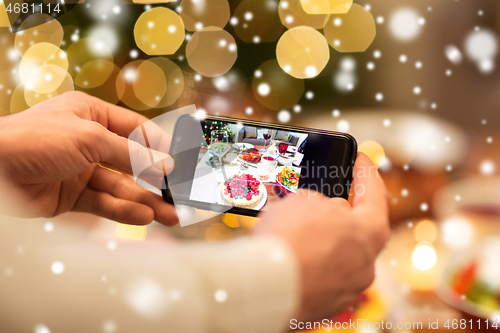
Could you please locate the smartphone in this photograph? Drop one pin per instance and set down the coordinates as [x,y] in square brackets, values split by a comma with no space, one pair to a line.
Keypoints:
[239,166]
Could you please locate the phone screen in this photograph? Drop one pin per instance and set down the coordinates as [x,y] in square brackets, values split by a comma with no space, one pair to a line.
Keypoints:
[247,165]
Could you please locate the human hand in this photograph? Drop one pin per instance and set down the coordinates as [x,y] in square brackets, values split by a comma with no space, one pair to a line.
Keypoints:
[51,154]
[335,244]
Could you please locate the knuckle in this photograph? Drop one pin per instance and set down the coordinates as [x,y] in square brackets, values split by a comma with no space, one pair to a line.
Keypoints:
[94,131]
[76,95]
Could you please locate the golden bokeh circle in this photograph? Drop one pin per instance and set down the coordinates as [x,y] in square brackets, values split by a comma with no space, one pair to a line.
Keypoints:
[33,98]
[17,100]
[374,151]
[302,52]
[425,231]
[293,15]
[42,54]
[351,32]
[258,21]
[274,88]
[83,56]
[8,55]
[150,84]
[197,14]
[44,29]
[326,6]
[174,78]
[106,91]
[211,51]
[159,31]
[94,73]
[141,85]
[45,79]
[7,85]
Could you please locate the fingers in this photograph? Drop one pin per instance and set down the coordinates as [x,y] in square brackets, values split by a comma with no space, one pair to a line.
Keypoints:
[122,187]
[369,189]
[370,201]
[131,157]
[123,122]
[107,206]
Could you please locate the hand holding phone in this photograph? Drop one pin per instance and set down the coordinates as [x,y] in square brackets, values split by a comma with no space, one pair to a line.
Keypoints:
[335,244]
[239,166]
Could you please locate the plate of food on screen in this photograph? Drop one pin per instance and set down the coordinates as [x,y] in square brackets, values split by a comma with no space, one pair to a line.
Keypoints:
[242,190]
[251,156]
[288,177]
[242,146]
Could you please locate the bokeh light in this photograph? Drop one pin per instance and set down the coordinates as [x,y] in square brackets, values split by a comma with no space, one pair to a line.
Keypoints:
[90,62]
[8,83]
[218,232]
[44,29]
[141,85]
[174,79]
[233,84]
[159,31]
[345,81]
[231,220]
[424,256]
[71,35]
[351,32]
[397,151]
[33,98]
[152,1]
[374,151]
[302,52]
[211,51]
[8,54]
[481,45]
[94,73]
[198,14]
[259,21]
[37,68]
[457,232]
[425,231]
[131,232]
[487,167]
[404,24]
[106,10]
[107,90]
[293,15]
[107,33]
[17,100]
[274,88]
[45,79]
[453,54]
[326,6]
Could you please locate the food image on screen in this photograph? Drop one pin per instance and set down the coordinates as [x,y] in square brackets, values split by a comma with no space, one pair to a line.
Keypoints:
[240,167]
[243,190]
[288,178]
[251,155]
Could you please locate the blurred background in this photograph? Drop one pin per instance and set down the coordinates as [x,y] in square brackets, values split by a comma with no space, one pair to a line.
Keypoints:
[415,82]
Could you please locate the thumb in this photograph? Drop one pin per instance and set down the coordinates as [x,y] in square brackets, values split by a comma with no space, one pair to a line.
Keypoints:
[369,189]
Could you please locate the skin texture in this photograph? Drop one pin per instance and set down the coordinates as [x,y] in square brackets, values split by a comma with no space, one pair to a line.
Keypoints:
[51,153]
[335,243]
[50,156]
